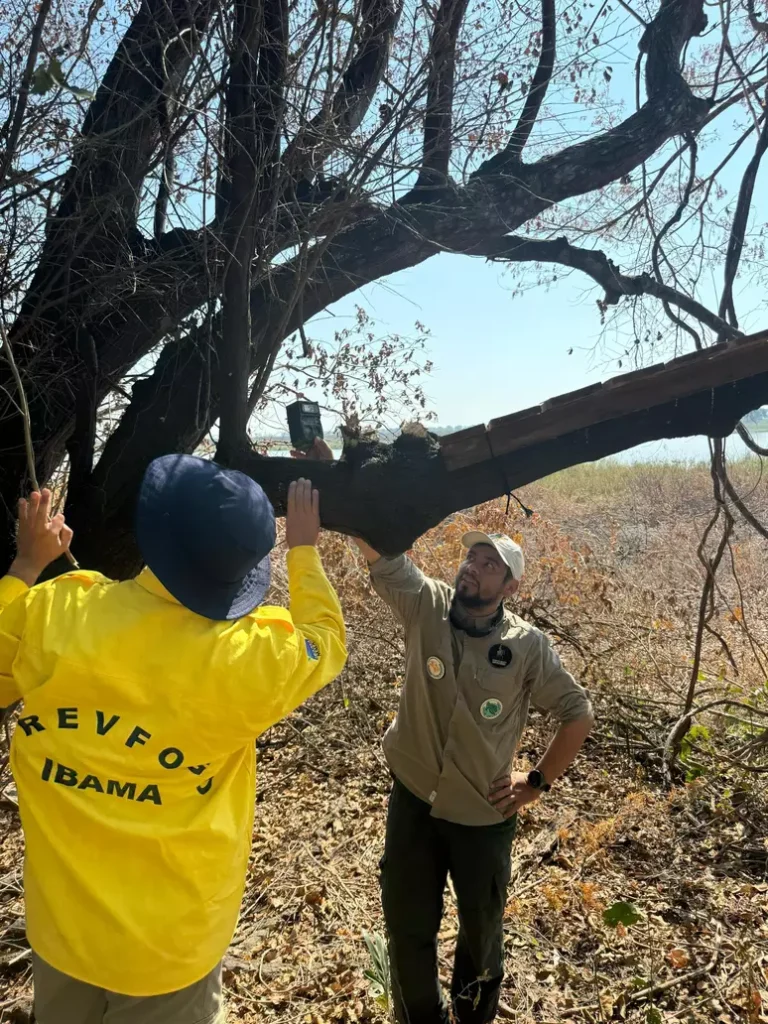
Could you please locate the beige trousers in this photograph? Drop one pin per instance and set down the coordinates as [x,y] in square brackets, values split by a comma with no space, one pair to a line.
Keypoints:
[60,999]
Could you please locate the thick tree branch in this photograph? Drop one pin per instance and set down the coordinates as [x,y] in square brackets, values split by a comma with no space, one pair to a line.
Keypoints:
[596,264]
[389,496]
[670,109]
[540,83]
[81,445]
[438,119]
[676,23]
[173,402]
[96,218]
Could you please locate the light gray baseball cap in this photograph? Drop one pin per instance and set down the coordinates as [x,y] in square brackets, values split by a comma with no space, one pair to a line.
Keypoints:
[509,552]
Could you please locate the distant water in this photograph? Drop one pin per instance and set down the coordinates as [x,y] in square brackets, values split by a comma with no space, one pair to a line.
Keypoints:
[687,449]
[284,453]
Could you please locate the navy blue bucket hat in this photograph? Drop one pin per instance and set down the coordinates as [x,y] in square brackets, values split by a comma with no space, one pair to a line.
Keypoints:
[206,533]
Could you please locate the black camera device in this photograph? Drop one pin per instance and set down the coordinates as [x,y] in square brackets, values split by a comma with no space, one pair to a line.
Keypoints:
[304,424]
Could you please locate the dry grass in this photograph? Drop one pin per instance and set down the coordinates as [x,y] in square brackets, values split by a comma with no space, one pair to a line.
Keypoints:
[613,575]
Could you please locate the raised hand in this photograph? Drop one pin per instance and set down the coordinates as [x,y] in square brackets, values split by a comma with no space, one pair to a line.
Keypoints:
[302,520]
[319,452]
[41,538]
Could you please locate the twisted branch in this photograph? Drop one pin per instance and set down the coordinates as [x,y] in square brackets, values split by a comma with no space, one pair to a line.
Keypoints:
[594,263]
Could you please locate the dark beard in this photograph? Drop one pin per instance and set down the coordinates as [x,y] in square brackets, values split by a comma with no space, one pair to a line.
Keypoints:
[474,601]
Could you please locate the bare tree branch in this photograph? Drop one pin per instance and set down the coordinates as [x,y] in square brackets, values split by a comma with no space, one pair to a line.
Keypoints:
[735,497]
[96,219]
[749,441]
[18,109]
[671,108]
[438,120]
[739,225]
[375,29]
[540,83]
[596,264]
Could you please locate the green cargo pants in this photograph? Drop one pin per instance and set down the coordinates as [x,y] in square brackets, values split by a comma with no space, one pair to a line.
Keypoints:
[419,853]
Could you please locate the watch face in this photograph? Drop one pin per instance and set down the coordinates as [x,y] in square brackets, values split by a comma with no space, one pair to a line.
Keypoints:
[535,779]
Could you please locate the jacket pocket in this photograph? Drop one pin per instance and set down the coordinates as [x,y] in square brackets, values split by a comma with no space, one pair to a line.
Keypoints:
[505,682]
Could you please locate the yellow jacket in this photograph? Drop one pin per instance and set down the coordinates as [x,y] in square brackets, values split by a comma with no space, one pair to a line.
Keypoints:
[134,761]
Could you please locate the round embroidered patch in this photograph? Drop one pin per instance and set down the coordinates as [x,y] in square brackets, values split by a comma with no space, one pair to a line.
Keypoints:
[491,708]
[499,655]
[436,668]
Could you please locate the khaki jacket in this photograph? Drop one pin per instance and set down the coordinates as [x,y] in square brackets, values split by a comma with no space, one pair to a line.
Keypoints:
[465,700]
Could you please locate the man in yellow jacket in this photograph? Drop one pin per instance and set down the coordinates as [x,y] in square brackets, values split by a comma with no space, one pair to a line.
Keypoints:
[134,752]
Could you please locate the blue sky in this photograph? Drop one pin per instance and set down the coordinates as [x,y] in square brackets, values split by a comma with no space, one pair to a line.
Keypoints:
[495,353]
[492,353]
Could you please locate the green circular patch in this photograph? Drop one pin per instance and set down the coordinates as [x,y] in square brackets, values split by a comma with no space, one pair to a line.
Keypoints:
[491,708]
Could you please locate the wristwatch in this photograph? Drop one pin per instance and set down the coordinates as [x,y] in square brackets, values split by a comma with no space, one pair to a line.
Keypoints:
[537,781]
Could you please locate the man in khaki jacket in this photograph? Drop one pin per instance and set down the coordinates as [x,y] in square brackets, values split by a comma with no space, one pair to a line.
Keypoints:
[472,670]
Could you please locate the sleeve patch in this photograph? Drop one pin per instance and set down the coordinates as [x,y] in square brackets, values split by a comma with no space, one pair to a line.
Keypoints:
[312,652]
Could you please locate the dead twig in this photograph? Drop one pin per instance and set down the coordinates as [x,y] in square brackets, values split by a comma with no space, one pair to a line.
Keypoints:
[682,979]
[16,118]
[26,418]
